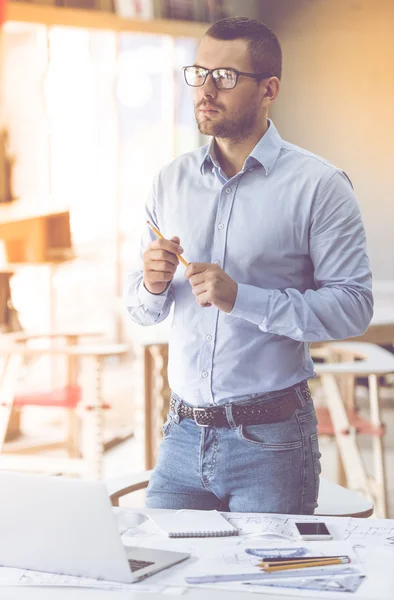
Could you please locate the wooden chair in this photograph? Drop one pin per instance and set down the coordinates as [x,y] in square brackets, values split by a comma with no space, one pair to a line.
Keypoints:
[85,457]
[67,396]
[334,500]
[341,419]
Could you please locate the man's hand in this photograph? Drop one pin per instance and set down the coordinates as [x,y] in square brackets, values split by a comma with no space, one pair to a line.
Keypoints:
[211,285]
[160,264]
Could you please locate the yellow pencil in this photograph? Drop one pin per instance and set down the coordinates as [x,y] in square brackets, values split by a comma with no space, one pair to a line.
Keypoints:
[305,561]
[320,563]
[157,232]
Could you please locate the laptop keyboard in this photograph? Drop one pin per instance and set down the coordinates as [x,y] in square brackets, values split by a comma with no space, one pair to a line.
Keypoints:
[135,565]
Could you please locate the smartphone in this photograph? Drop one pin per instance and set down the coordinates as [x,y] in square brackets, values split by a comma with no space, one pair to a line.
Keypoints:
[313,531]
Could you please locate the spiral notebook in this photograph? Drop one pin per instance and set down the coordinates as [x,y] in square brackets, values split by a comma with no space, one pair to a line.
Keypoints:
[193,523]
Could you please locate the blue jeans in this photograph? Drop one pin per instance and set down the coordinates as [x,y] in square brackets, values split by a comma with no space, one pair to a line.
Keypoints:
[273,467]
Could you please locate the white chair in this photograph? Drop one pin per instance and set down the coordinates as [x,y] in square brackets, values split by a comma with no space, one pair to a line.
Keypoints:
[334,500]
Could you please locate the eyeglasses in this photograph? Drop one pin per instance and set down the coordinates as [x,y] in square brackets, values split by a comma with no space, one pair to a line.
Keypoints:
[224,79]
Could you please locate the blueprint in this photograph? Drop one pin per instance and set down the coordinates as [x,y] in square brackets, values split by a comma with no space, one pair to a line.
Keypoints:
[14,577]
[370,532]
[234,569]
[344,583]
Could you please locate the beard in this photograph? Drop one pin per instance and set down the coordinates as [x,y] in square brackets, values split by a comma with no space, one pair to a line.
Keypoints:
[237,129]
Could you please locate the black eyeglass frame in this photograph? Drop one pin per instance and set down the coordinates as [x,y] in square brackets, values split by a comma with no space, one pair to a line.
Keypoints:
[257,76]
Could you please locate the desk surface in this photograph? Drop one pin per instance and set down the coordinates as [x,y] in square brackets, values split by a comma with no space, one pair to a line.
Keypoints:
[53,593]
[155,587]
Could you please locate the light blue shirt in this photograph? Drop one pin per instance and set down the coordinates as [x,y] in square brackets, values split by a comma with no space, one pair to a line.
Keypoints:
[288,230]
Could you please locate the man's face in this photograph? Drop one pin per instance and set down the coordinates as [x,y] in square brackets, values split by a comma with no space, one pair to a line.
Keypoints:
[230,114]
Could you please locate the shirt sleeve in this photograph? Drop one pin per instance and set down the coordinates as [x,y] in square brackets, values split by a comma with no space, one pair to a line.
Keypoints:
[144,307]
[341,306]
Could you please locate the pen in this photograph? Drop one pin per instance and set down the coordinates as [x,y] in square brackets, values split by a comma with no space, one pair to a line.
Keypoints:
[300,560]
[305,565]
[302,564]
[157,232]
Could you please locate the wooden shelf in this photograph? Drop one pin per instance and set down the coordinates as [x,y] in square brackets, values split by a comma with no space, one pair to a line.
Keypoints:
[43,239]
[95,19]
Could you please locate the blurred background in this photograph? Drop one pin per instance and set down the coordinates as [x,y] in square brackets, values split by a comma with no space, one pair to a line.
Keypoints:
[92,104]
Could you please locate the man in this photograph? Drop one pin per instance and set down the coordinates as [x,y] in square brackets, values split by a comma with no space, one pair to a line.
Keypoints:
[277,258]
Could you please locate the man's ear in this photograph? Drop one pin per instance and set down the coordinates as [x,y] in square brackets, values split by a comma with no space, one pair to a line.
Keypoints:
[272,87]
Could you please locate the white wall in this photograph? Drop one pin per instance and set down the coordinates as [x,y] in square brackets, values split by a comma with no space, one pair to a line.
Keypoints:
[337,100]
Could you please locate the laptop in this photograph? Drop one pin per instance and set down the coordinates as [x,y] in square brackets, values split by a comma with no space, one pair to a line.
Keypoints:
[68,526]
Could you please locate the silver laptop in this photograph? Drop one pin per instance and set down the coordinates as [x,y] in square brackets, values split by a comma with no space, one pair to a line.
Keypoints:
[68,526]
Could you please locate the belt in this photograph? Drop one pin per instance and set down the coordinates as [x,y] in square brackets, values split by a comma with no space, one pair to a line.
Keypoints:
[275,410]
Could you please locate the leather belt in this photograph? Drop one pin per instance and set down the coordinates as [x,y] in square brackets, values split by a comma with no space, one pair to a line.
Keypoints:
[277,409]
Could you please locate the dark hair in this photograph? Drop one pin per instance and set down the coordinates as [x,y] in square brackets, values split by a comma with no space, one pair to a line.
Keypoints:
[264,46]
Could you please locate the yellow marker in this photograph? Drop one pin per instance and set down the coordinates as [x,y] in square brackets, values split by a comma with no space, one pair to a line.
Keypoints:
[157,232]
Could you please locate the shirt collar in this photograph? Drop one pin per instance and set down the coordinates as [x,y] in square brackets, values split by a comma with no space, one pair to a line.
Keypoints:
[266,151]
[209,157]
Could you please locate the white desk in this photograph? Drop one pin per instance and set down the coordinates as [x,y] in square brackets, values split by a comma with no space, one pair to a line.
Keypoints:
[53,593]
[153,587]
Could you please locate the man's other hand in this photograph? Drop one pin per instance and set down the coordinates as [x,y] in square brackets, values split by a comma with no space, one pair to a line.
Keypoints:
[211,285]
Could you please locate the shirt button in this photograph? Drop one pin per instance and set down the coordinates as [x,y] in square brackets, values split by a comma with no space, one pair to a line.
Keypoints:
[208,338]
[204,374]
[228,190]
[251,169]
[220,226]
[217,262]
[213,170]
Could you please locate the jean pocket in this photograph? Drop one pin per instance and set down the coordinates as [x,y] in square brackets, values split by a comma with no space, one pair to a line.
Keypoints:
[315,453]
[167,425]
[270,435]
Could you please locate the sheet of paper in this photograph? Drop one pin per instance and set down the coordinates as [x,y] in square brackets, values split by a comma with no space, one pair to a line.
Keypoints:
[278,528]
[244,566]
[370,532]
[37,578]
[9,576]
[282,526]
[377,584]
[340,583]
[375,581]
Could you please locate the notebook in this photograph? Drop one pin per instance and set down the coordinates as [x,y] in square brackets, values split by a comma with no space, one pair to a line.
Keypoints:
[193,523]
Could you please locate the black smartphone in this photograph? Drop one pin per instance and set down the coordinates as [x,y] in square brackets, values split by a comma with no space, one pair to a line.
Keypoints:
[313,531]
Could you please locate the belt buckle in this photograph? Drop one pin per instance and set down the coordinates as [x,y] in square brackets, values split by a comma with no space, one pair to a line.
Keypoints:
[196,410]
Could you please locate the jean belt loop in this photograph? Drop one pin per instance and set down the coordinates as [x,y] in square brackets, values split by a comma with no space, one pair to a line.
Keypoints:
[229,415]
[301,397]
[175,410]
